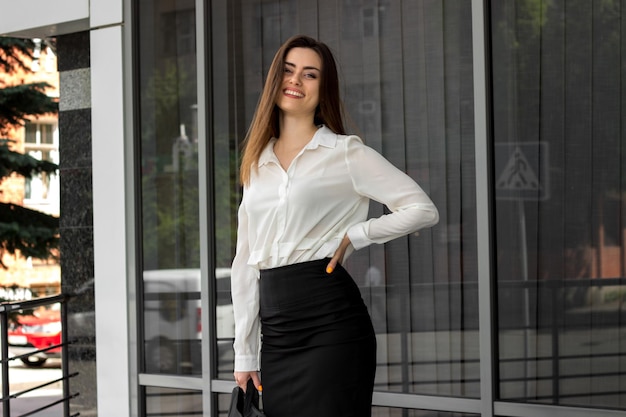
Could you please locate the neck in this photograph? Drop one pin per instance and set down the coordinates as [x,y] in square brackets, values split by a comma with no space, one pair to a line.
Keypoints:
[296,130]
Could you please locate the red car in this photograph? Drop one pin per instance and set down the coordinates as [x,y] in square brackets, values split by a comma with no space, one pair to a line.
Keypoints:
[33,332]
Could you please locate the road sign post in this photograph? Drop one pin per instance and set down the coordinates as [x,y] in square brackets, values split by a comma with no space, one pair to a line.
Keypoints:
[521,171]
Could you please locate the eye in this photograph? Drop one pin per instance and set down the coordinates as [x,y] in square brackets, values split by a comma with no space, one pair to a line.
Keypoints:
[287,70]
[311,76]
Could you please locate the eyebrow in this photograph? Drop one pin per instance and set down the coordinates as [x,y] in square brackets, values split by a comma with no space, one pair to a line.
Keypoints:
[306,68]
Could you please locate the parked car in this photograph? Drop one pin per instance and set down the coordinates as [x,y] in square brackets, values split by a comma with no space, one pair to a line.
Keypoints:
[30,333]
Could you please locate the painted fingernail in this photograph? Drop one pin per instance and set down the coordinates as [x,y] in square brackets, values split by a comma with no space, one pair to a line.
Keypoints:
[260,387]
[329,269]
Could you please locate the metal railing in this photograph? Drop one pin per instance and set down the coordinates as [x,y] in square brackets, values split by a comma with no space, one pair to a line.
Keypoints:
[6,309]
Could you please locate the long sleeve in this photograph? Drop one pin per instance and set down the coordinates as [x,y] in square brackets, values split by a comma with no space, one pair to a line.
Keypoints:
[376,178]
[303,214]
[245,293]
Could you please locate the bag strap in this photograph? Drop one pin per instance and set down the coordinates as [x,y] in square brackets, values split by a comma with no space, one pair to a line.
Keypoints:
[251,400]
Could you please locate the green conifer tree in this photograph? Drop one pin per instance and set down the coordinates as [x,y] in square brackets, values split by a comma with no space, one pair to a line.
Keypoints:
[32,233]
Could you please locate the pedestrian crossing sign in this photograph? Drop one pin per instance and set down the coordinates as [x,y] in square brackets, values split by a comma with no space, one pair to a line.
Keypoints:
[521,171]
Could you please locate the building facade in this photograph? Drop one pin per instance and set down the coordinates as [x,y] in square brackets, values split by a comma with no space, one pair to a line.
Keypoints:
[23,278]
[509,114]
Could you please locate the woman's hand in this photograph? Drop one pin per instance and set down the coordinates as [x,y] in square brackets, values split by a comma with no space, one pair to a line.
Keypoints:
[241,378]
[339,253]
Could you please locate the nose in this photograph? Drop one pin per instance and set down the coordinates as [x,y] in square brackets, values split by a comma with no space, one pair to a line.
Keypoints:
[295,78]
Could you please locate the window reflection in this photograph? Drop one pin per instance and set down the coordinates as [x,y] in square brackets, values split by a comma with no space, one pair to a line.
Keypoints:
[398,412]
[416,108]
[172,326]
[560,230]
[169,187]
[173,402]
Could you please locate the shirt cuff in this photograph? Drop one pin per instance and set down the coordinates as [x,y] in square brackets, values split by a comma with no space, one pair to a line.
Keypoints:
[358,237]
[246,363]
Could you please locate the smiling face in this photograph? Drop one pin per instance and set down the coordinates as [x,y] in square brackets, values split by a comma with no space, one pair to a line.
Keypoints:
[300,90]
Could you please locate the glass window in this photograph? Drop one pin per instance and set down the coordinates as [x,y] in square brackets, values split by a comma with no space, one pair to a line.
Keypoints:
[399,412]
[169,187]
[41,191]
[39,133]
[46,134]
[407,85]
[172,402]
[558,89]
[30,133]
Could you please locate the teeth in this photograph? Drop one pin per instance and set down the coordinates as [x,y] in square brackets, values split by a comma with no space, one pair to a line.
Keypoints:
[294,93]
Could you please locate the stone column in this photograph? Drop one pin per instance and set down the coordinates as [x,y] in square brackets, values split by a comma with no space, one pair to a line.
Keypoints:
[76,219]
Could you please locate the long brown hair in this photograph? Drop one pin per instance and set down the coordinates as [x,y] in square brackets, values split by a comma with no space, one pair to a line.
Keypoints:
[265,124]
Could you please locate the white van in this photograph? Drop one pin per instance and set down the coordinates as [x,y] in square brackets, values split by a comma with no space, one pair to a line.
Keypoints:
[172,318]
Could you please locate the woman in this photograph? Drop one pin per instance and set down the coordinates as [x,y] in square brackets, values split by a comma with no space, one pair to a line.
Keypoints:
[306,196]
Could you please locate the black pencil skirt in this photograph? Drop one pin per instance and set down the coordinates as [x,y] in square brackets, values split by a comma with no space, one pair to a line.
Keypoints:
[318,354]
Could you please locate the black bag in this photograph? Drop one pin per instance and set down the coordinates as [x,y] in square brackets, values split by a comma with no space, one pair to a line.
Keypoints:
[245,404]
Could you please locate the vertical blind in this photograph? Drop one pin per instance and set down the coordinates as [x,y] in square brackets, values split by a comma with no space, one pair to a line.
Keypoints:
[406,75]
[558,71]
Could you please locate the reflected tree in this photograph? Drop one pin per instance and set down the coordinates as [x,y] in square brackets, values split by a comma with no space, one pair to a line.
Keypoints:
[23,231]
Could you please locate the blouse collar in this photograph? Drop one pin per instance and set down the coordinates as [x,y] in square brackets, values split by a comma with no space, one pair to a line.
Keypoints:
[322,137]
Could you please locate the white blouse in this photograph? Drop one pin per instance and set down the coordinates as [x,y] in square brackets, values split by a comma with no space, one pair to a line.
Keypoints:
[303,213]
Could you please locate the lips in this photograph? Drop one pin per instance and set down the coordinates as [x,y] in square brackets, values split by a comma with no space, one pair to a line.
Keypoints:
[293,93]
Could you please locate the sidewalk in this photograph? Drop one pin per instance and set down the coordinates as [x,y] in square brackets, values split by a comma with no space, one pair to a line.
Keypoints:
[22,378]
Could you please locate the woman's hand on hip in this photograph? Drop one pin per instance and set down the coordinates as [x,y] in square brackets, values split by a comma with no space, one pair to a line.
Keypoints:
[339,254]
